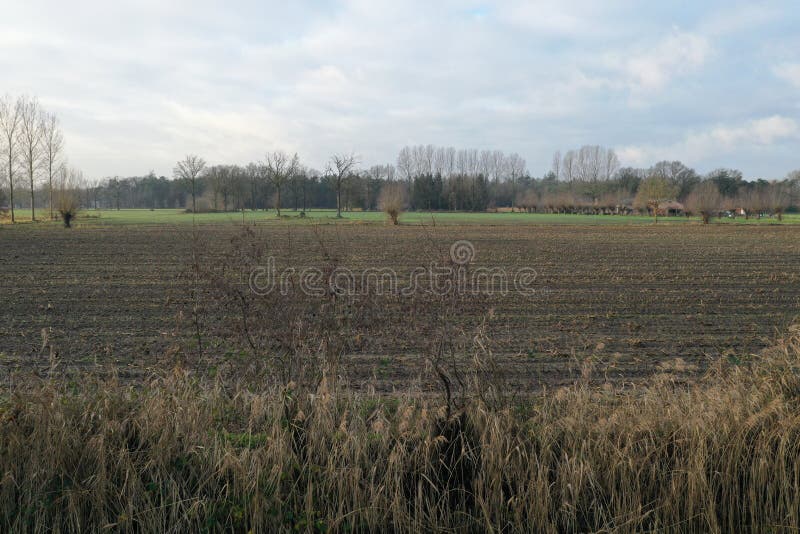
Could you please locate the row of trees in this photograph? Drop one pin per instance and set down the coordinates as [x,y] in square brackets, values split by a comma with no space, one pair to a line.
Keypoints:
[664,188]
[760,199]
[584,180]
[31,154]
[449,162]
[275,173]
[435,178]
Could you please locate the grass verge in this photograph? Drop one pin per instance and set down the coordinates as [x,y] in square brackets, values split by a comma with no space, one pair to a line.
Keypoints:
[178,454]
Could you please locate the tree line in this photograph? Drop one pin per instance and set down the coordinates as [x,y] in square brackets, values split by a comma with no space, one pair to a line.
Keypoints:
[34,170]
[588,180]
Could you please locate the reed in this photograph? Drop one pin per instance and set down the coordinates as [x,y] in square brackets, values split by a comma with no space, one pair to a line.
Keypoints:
[183,454]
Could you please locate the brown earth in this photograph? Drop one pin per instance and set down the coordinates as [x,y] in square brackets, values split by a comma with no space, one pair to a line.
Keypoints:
[625,301]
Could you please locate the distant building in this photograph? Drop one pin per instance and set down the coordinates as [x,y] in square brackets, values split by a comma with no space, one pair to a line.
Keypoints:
[671,208]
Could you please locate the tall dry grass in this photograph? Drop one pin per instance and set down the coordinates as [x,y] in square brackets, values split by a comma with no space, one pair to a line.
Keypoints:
[179,454]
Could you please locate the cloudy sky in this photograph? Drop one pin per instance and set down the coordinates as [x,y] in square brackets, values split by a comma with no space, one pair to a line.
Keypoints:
[139,84]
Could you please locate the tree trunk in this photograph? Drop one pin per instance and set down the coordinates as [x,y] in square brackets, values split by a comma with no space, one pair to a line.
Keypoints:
[278,202]
[33,206]
[11,186]
[50,176]
[655,212]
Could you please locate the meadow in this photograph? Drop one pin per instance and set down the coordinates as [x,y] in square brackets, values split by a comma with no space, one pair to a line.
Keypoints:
[328,216]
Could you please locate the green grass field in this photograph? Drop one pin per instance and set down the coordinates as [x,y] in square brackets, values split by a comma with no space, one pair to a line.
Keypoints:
[170,216]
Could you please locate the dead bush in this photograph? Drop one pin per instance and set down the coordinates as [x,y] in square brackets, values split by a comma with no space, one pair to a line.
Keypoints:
[392,200]
[67,205]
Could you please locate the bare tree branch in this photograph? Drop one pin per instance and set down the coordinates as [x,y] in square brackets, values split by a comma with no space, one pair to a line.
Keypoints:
[188,170]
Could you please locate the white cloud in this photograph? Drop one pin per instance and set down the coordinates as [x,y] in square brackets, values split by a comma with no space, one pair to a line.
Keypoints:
[762,131]
[741,17]
[789,72]
[564,18]
[699,146]
[651,68]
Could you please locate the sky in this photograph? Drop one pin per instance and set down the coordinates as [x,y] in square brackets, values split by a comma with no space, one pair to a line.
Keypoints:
[138,85]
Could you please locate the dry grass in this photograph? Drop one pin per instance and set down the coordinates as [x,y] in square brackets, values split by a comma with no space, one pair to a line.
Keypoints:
[178,454]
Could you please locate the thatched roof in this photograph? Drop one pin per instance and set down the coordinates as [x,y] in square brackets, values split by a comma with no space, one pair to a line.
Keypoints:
[671,205]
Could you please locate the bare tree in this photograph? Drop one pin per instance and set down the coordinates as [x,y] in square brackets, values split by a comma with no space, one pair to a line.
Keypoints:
[499,165]
[213,177]
[556,168]
[779,198]
[569,166]
[486,163]
[30,142]
[449,161]
[652,192]
[10,116]
[226,186]
[589,163]
[392,200]
[375,175]
[611,164]
[515,166]
[53,145]
[749,201]
[254,172]
[188,170]
[405,163]
[427,154]
[390,172]
[280,168]
[704,200]
[679,174]
[339,168]
[792,182]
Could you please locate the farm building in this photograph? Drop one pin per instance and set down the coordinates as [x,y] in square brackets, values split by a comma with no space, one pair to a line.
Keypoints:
[670,208]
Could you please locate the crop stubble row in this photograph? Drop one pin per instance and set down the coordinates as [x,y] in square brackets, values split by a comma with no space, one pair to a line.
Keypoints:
[631,297]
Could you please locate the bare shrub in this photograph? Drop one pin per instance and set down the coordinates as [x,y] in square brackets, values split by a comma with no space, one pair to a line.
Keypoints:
[392,200]
[68,207]
[527,201]
[779,198]
[201,204]
[66,197]
[301,338]
[705,200]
